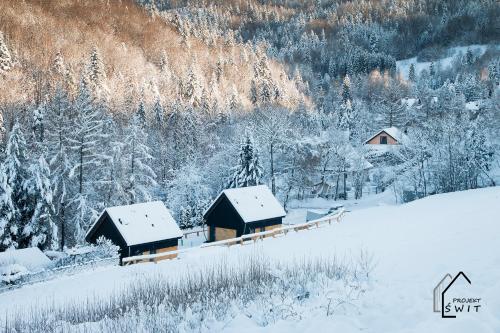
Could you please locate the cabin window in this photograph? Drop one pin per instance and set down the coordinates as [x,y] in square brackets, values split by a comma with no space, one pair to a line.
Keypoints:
[383,140]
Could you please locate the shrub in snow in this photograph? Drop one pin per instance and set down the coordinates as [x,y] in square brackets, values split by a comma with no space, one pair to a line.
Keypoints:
[206,298]
[103,249]
[9,274]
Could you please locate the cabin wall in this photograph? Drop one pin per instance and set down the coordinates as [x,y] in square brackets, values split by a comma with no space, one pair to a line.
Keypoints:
[223,233]
[152,247]
[221,217]
[263,225]
[219,233]
[160,258]
[376,140]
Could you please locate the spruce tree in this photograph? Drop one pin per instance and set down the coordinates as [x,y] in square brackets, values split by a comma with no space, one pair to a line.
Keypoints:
[5,57]
[412,76]
[139,177]
[248,172]
[57,143]
[96,74]
[159,113]
[87,159]
[13,174]
[58,67]
[38,122]
[346,89]
[141,114]
[87,137]
[39,229]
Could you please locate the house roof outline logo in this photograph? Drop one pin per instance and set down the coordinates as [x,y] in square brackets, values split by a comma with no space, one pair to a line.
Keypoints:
[439,295]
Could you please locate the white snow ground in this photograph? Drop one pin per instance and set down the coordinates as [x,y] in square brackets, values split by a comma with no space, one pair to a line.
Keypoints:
[403,66]
[414,245]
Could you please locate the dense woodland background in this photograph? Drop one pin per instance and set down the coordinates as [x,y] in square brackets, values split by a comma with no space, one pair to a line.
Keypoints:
[114,102]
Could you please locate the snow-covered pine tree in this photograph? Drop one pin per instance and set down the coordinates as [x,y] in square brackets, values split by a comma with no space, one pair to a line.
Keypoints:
[139,177]
[59,130]
[159,113]
[469,57]
[262,86]
[13,174]
[96,74]
[187,194]
[87,136]
[249,171]
[412,76]
[373,43]
[345,115]
[70,81]
[233,104]
[219,69]
[87,158]
[5,56]
[39,229]
[191,87]
[346,89]
[185,217]
[141,113]
[2,132]
[84,213]
[38,122]
[164,65]
[58,67]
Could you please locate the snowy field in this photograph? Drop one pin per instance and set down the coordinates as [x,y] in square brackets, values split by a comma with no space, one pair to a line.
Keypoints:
[414,246]
[403,66]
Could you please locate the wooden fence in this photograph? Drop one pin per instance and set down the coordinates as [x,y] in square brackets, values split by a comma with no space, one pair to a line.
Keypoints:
[244,239]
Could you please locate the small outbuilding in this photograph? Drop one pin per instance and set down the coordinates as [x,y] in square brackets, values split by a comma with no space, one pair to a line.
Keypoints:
[138,229]
[241,211]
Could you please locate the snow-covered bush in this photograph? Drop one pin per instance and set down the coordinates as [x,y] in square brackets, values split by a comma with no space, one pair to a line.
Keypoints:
[103,249]
[9,274]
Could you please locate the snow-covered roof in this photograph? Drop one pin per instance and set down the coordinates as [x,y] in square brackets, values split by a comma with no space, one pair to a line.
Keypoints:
[395,132]
[31,258]
[253,203]
[473,106]
[143,222]
[408,102]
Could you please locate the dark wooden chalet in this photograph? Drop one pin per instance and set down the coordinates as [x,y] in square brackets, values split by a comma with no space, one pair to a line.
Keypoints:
[144,228]
[241,211]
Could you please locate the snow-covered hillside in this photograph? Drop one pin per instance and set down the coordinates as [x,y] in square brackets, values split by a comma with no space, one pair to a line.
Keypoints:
[414,246]
[403,66]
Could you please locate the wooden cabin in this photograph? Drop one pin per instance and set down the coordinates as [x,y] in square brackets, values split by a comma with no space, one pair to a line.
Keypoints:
[241,211]
[386,136]
[144,228]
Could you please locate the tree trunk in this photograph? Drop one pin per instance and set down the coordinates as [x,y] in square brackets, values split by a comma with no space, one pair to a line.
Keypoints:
[273,180]
[81,167]
[337,187]
[63,226]
[345,185]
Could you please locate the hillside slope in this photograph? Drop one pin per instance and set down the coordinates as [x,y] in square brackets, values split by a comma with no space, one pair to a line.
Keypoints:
[414,245]
[143,53]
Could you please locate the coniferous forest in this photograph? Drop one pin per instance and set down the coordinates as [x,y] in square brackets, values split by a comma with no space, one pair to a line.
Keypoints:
[106,103]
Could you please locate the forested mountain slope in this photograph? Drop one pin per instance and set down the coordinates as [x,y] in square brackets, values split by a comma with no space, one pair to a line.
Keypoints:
[139,53]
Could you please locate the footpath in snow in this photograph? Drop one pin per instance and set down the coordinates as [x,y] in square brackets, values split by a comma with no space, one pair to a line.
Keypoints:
[414,246]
